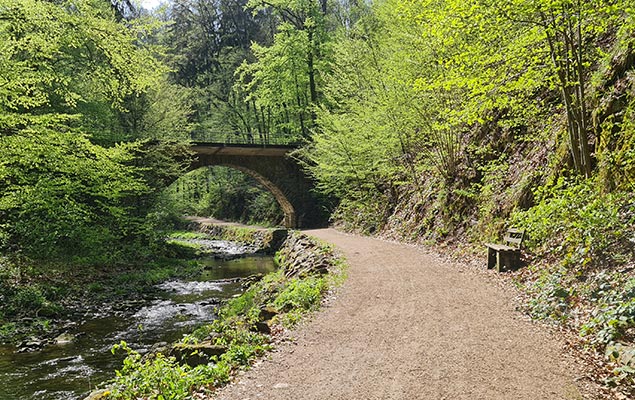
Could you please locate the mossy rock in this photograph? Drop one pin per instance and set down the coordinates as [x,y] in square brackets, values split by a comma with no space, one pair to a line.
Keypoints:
[196,354]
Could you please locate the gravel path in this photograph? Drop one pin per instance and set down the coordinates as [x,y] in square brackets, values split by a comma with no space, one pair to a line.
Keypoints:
[407,325]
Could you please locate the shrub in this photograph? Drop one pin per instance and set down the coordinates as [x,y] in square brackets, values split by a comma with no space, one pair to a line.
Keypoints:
[162,377]
[578,223]
[301,294]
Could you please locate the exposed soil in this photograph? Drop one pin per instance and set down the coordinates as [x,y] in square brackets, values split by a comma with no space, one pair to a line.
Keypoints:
[408,325]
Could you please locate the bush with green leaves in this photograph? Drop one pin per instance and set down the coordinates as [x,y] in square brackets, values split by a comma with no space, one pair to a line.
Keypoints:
[301,294]
[624,357]
[162,378]
[550,296]
[613,318]
[577,222]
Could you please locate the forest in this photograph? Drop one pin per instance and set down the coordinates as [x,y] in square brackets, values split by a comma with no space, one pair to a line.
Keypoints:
[440,123]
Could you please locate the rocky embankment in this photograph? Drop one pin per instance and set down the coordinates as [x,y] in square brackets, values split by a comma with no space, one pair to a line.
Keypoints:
[262,240]
[300,256]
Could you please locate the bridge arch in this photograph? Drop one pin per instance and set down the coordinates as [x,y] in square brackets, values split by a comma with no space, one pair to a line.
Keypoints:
[285,204]
[275,170]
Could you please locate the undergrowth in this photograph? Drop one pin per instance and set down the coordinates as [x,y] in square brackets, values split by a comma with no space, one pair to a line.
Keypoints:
[582,275]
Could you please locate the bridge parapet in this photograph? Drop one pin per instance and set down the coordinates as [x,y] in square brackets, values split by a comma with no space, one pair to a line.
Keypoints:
[249,138]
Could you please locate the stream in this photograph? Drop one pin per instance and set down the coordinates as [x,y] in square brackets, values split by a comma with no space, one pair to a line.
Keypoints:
[71,369]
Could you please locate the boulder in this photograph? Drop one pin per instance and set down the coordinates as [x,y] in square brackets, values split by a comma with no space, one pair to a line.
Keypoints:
[196,354]
[262,327]
[63,339]
[267,313]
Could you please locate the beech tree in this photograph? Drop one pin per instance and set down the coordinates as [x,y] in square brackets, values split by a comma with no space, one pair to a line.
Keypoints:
[284,81]
[69,72]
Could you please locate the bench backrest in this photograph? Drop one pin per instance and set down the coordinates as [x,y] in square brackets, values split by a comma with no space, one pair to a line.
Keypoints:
[514,237]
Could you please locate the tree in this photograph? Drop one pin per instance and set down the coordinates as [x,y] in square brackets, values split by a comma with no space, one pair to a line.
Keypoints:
[285,79]
[70,59]
[208,40]
[570,28]
[62,195]
[68,73]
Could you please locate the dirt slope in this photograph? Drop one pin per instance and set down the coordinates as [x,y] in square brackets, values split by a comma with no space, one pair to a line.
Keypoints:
[407,325]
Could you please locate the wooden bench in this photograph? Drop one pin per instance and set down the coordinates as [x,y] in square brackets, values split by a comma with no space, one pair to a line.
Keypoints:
[507,255]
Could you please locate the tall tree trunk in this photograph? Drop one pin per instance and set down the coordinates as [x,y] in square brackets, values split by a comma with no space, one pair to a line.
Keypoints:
[565,47]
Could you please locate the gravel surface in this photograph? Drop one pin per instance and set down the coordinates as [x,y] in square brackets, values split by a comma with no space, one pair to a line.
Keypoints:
[408,325]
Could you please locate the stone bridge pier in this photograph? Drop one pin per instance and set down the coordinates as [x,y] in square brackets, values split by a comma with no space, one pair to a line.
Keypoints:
[275,170]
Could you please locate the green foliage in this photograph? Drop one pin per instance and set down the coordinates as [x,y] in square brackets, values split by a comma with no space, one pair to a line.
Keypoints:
[550,296]
[70,72]
[279,81]
[244,306]
[301,294]
[614,314]
[576,221]
[164,376]
[187,235]
[62,195]
[609,328]
[298,297]
[285,80]
[588,237]
[225,194]
[207,41]
[624,356]
[60,56]
[161,377]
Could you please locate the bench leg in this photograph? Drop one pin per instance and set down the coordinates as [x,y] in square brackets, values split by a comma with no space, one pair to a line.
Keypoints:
[508,261]
[500,261]
[491,258]
[514,260]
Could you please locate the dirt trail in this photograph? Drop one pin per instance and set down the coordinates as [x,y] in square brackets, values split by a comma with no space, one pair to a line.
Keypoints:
[407,325]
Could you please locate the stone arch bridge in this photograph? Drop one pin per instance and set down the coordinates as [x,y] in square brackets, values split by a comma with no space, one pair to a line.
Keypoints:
[274,169]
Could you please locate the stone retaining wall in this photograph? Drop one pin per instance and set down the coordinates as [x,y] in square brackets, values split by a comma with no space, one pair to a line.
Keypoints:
[267,240]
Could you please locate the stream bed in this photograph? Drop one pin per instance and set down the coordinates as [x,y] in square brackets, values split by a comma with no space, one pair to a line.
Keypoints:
[72,368]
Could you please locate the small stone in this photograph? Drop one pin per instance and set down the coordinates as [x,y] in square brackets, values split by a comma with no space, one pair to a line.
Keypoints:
[64,338]
[281,386]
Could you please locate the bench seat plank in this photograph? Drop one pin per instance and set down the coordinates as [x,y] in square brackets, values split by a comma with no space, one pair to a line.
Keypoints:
[499,247]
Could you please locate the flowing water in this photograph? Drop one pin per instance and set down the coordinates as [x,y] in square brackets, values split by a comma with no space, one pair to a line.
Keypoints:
[71,369]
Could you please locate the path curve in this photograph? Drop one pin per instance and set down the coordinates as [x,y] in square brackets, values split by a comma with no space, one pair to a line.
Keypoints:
[407,325]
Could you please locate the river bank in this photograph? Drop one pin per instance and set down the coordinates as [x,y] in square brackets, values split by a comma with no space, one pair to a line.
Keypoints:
[142,310]
[74,362]
[39,300]
[143,305]
[244,330]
